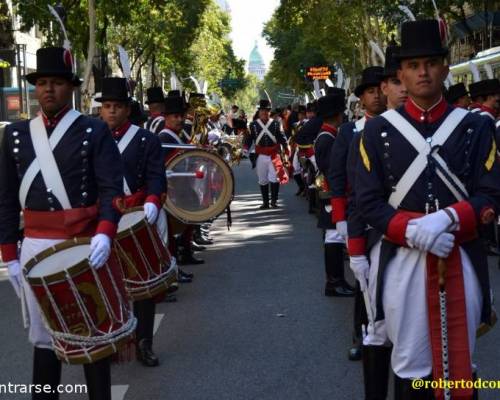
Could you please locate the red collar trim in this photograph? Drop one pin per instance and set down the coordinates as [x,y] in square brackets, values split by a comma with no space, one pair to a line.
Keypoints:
[368,116]
[431,115]
[121,130]
[329,128]
[473,106]
[488,109]
[51,122]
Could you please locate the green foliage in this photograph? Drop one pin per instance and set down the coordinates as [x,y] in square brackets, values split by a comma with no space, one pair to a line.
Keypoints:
[6,37]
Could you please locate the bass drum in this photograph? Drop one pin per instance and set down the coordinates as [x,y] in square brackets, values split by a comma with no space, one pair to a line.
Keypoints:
[200,186]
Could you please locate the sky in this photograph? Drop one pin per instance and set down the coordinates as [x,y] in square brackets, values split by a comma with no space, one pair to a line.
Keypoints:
[247,22]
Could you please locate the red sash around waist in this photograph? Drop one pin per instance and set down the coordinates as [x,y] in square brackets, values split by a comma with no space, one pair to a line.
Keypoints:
[64,224]
[267,151]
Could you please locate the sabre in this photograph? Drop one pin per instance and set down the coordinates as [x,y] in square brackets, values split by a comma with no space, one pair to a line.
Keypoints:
[444,326]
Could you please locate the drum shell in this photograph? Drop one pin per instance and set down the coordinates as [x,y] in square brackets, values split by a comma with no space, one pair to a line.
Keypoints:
[82,274]
[143,257]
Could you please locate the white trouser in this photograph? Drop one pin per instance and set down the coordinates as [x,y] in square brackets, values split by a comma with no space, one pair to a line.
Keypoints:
[332,236]
[265,170]
[297,168]
[38,334]
[376,333]
[406,314]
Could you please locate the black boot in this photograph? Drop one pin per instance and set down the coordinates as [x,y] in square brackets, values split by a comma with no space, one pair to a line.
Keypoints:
[46,371]
[311,195]
[264,190]
[376,366]
[144,310]
[185,277]
[336,284]
[300,184]
[403,390]
[275,189]
[98,377]
[186,256]
[356,350]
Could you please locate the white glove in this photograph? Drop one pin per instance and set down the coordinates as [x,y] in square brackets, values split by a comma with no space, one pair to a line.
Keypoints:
[443,245]
[100,248]
[427,229]
[15,276]
[150,212]
[341,228]
[361,269]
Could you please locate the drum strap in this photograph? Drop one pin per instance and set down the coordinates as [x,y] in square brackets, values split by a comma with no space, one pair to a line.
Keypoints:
[425,150]
[172,135]
[45,161]
[265,131]
[153,126]
[122,146]
[487,114]
[360,124]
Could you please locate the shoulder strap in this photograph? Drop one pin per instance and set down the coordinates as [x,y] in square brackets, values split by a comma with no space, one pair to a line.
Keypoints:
[360,124]
[37,129]
[172,135]
[127,138]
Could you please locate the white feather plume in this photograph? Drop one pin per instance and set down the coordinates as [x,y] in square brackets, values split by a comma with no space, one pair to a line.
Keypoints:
[173,81]
[489,71]
[322,91]
[406,11]
[315,97]
[476,75]
[436,10]
[125,62]
[267,95]
[196,83]
[306,98]
[340,78]
[329,82]
[204,86]
[316,88]
[347,83]
[377,50]
[67,43]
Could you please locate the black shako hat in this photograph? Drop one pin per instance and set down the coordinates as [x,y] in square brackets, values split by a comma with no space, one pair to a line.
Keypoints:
[174,105]
[484,88]
[155,95]
[330,105]
[114,89]
[335,90]
[312,106]
[421,39]
[54,61]
[391,62]
[371,76]
[454,92]
[239,123]
[174,93]
[137,115]
[264,104]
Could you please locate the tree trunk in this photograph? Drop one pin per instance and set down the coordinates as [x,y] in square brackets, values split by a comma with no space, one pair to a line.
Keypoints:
[90,55]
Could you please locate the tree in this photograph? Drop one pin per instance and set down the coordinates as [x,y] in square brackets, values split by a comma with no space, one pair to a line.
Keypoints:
[6,36]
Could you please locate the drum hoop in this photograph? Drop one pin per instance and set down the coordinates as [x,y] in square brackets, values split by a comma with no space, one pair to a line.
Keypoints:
[137,225]
[60,276]
[196,217]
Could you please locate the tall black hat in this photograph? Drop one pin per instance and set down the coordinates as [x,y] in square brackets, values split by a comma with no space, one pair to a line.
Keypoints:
[174,105]
[335,90]
[454,92]
[484,88]
[54,61]
[330,105]
[421,39]
[371,76]
[137,114]
[239,123]
[391,62]
[264,104]
[312,106]
[155,95]
[114,89]
[174,93]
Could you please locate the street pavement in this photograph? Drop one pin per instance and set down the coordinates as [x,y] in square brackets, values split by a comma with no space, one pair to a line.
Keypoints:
[254,324]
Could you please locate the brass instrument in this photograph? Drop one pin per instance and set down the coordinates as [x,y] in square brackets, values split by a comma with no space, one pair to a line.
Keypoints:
[322,187]
[201,109]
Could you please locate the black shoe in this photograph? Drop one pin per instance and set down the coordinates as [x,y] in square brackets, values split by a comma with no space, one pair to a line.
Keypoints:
[145,353]
[189,259]
[203,240]
[197,247]
[264,190]
[185,277]
[170,298]
[339,288]
[274,205]
[355,352]
[264,207]
[275,189]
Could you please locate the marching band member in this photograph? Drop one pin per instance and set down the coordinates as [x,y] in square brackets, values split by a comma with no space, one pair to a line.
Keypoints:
[458,96]
[427,179]
[144,184]
[485,97]
[268,139]
[370,96]
[297,168]
[331,109]
[156,103]
[73,190]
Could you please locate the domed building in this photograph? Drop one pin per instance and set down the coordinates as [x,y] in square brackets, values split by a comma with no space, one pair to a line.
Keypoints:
[256,64]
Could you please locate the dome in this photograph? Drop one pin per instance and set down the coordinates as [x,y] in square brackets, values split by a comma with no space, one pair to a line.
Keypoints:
[255,57]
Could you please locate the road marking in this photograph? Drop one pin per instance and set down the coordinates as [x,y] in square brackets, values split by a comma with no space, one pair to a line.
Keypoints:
[118,392]
[158,318]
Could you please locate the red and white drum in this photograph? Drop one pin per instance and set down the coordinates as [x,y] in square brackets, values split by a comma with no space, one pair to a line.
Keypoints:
[147,264]
[85,310]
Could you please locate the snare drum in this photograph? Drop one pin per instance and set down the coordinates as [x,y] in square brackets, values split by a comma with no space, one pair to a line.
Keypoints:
[85,310]
[146,263]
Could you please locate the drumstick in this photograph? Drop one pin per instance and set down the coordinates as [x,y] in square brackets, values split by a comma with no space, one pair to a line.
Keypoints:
[197,174]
